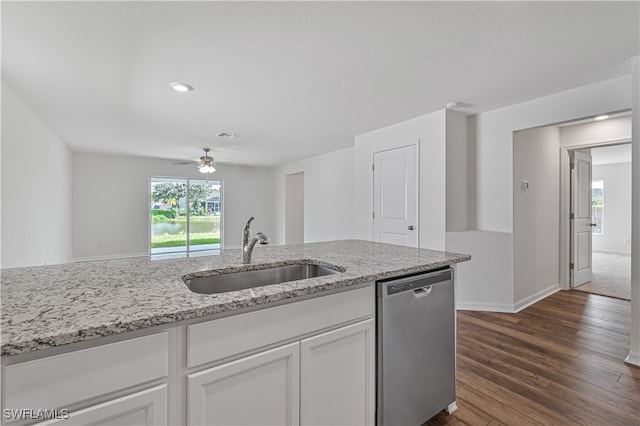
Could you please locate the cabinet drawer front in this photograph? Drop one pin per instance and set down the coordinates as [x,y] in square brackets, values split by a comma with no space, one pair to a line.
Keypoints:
[224,337]
[57,381]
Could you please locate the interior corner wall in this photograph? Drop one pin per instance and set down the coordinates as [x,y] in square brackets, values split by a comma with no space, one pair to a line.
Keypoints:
[36,201]
[328,196]
[430,130]
[536,213]
[457,171]
[634,352]
[494,130]
[111,202]
[616,237]
[471,173]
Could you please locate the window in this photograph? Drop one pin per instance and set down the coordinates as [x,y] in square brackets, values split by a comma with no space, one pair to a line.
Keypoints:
[597,207]
[186,216]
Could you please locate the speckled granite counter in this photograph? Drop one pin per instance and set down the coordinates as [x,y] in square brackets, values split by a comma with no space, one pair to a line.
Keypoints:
[49,306]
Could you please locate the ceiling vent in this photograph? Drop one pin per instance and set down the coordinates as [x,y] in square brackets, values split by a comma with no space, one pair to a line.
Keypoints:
[227,135]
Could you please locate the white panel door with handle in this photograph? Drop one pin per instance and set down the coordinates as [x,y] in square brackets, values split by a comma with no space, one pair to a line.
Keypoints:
[581,236]
[395,196]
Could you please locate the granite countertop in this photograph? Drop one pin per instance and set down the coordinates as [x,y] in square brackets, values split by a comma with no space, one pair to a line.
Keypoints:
[48,306]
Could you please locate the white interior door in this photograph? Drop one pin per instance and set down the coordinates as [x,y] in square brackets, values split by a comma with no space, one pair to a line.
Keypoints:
[581,237]
[395,196]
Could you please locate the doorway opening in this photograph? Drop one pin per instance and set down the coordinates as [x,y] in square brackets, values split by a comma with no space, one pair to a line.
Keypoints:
[294,208]
[544,245]
[610,222]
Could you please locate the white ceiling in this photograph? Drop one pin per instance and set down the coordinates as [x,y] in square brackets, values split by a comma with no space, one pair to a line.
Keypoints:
[293,79]
[611,154]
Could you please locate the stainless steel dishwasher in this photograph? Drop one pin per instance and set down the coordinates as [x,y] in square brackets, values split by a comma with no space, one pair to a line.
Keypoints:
[415,348]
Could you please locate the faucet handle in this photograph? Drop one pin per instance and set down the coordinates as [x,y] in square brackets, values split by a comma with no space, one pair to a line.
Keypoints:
[263,239]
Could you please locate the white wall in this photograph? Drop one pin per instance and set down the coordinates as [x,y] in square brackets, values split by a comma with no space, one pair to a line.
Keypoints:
[485,283]
[617,208]
[634,352]
[595,132]
[294,208]
[494,136]
[457,186]
[536,213]
[111,202]
[430,131]
[328,196]
[36,188]
[493,133]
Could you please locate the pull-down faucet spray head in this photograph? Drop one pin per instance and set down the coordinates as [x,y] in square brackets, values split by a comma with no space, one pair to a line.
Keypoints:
[248,241]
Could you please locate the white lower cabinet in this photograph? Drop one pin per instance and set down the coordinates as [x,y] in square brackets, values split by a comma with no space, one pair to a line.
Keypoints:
[337,376]
[145,408]
[326,379]
[319,370]
[261,389]
[74,388]
[310,362]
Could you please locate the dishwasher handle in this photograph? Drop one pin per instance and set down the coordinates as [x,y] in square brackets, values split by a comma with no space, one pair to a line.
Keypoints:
[421,292]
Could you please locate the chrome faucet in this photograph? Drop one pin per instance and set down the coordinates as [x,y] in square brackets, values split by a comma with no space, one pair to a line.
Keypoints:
[247,246]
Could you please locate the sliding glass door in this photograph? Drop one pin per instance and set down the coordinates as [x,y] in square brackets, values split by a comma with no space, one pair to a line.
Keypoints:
[186,215]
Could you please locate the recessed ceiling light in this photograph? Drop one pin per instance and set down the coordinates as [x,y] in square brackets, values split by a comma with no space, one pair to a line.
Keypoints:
[179,86]
[601,117]
[227,135]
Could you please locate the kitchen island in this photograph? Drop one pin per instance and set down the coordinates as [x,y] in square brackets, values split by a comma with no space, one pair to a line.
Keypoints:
[156,341]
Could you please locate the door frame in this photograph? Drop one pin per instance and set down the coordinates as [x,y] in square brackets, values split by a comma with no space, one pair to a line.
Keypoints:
[565,205]
[387,146]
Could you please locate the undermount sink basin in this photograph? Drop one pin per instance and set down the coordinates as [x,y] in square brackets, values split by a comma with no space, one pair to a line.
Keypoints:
[242,280]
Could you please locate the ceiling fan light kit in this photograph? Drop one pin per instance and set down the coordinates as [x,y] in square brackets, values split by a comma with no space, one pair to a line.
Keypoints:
[206,163]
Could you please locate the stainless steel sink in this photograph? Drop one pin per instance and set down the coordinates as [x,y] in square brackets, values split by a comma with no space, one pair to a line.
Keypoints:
[241,280]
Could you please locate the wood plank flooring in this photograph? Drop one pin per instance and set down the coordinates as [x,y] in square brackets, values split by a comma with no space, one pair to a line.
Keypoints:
[558,362]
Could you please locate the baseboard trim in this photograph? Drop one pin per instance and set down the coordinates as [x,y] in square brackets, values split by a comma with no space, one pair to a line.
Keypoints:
[621,253]
[109,257]
[484,307]
[633,358]
[506,307]
[536,297]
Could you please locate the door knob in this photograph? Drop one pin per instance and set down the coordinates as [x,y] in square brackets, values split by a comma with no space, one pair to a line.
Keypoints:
[594,224]
[410,227]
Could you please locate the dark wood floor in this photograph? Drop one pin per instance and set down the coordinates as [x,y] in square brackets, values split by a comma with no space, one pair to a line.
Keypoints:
[558,362]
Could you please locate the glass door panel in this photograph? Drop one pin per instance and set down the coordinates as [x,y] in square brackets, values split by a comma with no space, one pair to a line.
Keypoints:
[168,215]
[204,218]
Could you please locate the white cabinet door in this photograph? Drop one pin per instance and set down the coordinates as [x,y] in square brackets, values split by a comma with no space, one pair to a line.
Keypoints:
[144,408]
[338,376]
[262,389]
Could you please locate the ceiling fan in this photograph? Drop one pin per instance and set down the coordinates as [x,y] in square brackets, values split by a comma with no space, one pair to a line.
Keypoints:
[206,163]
